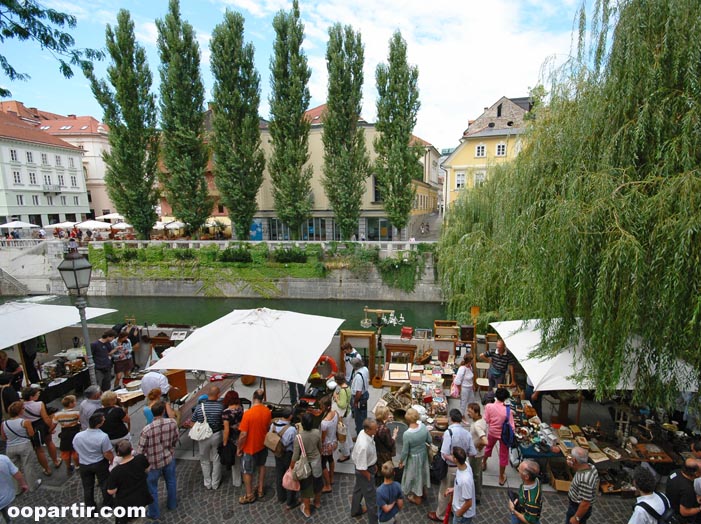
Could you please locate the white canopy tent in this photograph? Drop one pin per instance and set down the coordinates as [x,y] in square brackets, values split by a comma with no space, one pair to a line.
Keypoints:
[93,224]
[17,224]
[62,225]
[262,342]
[564,371]
[111,216]
[20,321]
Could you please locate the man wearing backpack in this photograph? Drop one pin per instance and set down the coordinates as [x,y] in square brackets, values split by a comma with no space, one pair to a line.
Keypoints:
[680,492]
[650,506]
[287,432]
[360,386]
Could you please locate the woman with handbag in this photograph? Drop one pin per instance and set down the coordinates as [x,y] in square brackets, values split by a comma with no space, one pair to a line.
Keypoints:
[465,381]
[18,434]
[495,416]
[35,412]
[231,418]
[329,443]
[341,404]
[417,475]
[307,449]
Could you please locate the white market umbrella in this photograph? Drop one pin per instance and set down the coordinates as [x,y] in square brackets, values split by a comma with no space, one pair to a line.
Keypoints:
[564,370]
[159,226]
[281,345]
[20,321]
[121,226]
[176,224]
[93,224]
[17,224]
[110,216]
[62,225]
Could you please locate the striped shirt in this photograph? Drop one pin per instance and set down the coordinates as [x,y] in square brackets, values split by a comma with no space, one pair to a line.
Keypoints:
[585,485]
[500,362]
[67,418]
[213,409]
[530,501]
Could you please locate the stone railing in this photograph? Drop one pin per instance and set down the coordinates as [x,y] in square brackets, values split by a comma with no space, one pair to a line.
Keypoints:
[21,243]
[385,247]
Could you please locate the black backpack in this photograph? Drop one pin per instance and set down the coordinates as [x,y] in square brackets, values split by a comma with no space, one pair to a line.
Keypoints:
[438,469]
[668,515]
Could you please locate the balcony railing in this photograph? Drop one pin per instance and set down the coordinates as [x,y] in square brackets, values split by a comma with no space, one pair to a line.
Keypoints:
[52,188]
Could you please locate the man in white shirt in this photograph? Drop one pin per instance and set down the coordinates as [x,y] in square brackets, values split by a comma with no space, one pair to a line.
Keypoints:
[478,430]
[360,386]
[455,437]
[648,500]
[365,460]
[154,379]
[463,490]
[349,353]
[89,405]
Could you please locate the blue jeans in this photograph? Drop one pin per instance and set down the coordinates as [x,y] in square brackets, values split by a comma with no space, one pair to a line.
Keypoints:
[572,509]
[461,520]
[168,473]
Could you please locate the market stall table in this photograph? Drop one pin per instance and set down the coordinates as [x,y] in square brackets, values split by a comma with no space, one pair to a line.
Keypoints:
[62,386]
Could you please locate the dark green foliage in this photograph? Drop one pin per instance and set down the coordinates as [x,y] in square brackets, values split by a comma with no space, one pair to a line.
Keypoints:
[185,154]
[130,112]
[346,163]
[238,170]
[129,254]
[184,254]
[235,254]
[152,253]
[260,253]
[110,254]
[287,255]
[402,272]
[29,20]
[596,226]
[397,162]
[289,129]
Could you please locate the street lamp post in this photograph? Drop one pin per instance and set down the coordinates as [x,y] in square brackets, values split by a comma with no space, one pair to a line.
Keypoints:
[75,270]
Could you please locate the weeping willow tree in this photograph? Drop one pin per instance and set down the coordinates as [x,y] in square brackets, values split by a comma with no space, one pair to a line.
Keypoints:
[596,227]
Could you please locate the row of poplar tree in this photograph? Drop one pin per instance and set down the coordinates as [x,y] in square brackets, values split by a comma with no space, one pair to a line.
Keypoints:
[177,154]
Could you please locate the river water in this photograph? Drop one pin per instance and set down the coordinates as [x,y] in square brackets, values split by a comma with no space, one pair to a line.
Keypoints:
[198,311]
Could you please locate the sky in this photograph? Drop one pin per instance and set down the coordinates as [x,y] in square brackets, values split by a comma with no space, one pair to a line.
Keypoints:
[469,52]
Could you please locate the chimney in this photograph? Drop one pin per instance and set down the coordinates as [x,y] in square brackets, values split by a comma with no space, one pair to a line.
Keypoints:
[72,117]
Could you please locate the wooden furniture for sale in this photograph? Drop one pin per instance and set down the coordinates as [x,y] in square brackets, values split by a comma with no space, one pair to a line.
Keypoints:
[446,330]
[360,340]
[400,353]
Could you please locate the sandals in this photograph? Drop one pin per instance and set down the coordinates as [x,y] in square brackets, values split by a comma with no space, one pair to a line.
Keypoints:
[47,472]
[344,459]
[306,515]
[260,494]
[246,499]
[58,464]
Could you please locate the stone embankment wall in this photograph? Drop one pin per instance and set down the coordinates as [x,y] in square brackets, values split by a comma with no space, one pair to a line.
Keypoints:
[36,268]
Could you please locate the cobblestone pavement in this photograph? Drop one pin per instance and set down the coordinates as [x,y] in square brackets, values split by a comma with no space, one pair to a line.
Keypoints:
[197,505]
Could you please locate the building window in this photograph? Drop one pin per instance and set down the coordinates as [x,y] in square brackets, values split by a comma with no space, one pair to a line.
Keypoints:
[479,178]
[220,208]
[33,178]
[481,151]
[20,200]
[13,155]
[17,177]
[89,197]
[30,157]
[58,160]
[499,110]
[47,180]
[278,230]
[379,229]
[61,182]
[314,229]
[74,181]
[71,161]
[63,201]
[377,194]
[44,159]
[49,200]
[35,200]
[76,201]
[460,180]
[501,149]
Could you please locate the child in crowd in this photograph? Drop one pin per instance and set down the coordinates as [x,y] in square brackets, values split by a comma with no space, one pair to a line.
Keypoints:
[69,420]
[389,495]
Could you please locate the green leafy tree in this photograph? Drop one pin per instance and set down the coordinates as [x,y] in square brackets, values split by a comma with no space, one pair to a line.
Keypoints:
[397,162]
[130,112]
[185,153]
[236,139]
[596,227]
[289,128]
[346,164]
[29,20]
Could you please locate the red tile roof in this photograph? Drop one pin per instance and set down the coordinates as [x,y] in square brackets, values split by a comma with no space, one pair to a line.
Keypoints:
[74,125]
[15,128]
[27,112]
[315,115]
[415,140]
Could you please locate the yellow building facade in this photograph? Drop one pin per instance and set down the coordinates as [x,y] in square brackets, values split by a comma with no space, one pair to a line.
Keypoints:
[492,139]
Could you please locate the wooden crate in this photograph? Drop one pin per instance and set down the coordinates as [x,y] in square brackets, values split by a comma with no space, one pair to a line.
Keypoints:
[559,484]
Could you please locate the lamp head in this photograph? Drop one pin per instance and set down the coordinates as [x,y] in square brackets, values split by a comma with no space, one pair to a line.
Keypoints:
[75,270]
